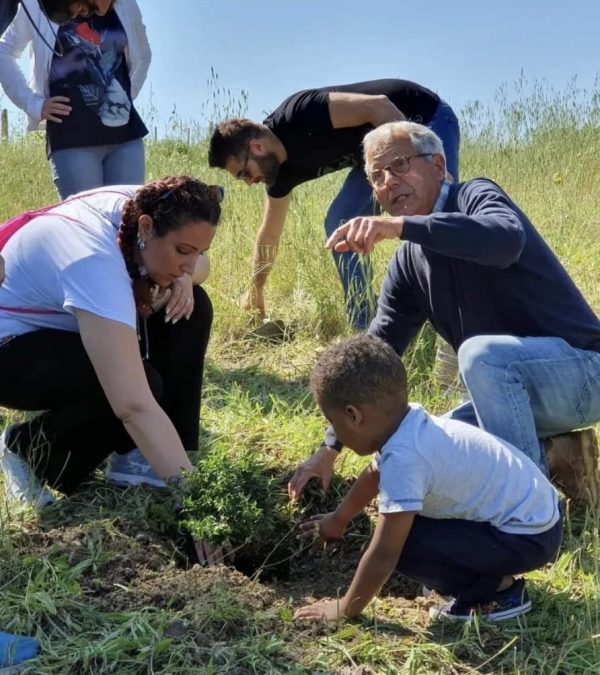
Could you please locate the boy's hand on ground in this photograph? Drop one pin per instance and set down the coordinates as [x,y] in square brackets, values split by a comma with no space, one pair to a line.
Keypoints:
[321,529]
[331,610]
[214,555]
[320,466]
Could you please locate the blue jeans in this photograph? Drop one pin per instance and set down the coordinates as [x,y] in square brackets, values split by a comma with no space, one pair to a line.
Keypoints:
[77,169]
[356,199]
[527,389]
[445,124]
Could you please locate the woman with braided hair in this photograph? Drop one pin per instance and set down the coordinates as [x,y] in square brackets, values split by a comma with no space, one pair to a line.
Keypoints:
[103,328]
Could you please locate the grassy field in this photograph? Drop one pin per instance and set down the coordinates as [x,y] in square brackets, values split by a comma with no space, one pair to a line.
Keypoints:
[99,582]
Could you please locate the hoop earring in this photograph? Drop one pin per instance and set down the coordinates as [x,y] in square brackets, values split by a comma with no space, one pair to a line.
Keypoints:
[140,243]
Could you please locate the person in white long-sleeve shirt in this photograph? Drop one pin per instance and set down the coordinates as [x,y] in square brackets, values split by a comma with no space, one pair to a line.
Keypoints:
[89,61]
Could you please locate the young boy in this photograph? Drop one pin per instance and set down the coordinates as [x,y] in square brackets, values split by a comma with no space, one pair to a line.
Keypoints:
[460,510]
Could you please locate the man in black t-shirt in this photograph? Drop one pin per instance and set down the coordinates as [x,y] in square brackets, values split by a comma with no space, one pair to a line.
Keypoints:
[313,133]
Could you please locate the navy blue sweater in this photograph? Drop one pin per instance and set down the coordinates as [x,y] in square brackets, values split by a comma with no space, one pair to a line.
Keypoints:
[479,267]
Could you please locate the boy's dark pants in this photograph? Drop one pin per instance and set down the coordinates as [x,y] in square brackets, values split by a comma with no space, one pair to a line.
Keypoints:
[467,560]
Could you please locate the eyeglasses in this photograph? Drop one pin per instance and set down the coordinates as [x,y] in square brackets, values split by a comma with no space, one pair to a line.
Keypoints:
[215,192]
[243,173]
[398,167]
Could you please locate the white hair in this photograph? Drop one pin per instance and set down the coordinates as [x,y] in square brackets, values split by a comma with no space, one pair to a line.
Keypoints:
[422,138]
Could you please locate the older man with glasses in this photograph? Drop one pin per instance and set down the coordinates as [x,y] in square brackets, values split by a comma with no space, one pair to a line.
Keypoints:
[314,133]
[474,265]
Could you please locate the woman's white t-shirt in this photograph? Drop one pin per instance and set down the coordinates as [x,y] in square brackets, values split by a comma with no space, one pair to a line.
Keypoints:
[68,259]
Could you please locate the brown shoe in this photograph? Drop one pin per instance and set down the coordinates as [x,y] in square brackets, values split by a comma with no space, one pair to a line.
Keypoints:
[573,465]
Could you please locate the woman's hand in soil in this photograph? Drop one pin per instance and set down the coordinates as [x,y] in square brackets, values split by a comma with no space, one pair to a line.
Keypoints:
[331,610]
[322,528]
[214,555]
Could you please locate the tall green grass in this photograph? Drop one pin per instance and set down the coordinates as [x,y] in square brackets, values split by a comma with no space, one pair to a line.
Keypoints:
[543,147]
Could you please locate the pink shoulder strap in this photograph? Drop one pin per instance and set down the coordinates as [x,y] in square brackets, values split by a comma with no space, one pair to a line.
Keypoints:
[17,222]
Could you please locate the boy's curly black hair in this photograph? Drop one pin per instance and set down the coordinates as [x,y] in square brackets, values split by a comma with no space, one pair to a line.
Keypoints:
[362,369]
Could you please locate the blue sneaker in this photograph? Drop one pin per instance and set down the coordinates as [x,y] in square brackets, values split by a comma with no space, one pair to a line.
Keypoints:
[131,469]
[507,604]
[15,651]
[20,483]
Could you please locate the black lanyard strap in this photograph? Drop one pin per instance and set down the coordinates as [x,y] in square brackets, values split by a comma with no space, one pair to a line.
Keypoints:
[57,49]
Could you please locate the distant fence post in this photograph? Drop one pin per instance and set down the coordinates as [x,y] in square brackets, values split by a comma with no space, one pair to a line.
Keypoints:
[4,125]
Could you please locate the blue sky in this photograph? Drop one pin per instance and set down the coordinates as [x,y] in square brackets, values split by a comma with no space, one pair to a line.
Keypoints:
[463,49]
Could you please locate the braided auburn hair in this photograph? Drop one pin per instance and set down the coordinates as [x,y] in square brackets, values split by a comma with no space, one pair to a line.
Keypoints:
[172,203]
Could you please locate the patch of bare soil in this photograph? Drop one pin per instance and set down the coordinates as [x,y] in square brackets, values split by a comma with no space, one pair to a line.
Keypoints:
[303,574]
[128,564]
[131,571]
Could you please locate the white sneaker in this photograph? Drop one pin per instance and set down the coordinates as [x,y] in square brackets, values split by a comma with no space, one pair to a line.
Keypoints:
[20,483]
[131,469]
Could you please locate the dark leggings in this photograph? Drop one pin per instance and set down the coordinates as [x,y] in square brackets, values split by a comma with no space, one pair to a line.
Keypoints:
[468,559]
[50,370]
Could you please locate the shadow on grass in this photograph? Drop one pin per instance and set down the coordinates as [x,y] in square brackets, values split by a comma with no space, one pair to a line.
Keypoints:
[265,388]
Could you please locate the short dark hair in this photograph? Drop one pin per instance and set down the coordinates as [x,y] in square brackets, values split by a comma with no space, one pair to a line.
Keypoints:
[362,369]
[230,138]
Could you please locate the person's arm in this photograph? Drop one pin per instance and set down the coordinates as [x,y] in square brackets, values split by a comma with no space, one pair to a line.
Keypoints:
[360,495]
[373,571]
[12,45]
[353,110]
[379,561]
[400,315]
[399,318]
[331,526]
[115,354]
[265,249]
[138,75]
[488,230]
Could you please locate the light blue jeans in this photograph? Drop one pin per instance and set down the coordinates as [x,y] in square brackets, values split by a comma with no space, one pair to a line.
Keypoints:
[356,199]
[78,169]
[445,124]
[527,389]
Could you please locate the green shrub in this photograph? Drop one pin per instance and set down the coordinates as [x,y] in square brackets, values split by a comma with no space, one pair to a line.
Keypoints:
[232,497]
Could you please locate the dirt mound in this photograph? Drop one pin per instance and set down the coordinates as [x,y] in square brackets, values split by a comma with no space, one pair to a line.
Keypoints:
[122,570]
[119,552]
[131,564]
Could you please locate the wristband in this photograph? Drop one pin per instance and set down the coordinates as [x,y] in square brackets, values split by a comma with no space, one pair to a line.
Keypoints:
[331,440]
